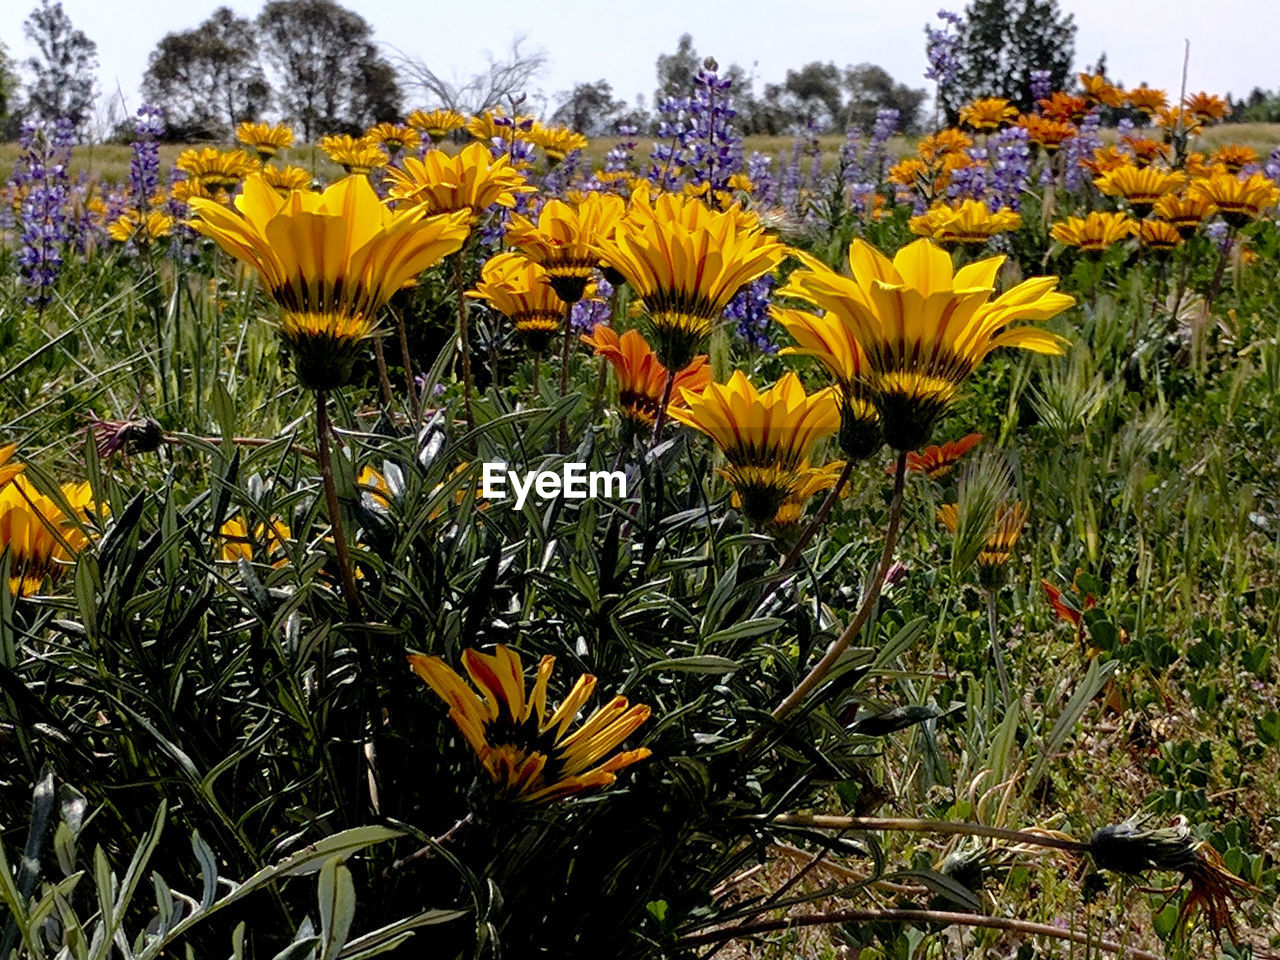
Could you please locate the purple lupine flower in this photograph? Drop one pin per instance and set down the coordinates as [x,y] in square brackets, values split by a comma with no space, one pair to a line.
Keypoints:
[750,310]
[144,166]
[760,173]
[619,156]
[971,182]
[42,182]
[1217,232]
[1041,84]
[884,127]
[1272,166]
[561,176]
[942,46]
[586,313]
[667,157]
[789,184]
[850,152]
[1080,148]
[863,197]
[712,143]
[1010,153]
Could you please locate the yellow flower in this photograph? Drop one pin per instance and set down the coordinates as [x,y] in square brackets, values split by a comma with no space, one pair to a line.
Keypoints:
[642,380]
[1158,235]
[908,172]
[331,261]
[238,542]
[264,138]
[1171,119]
[766,437]
[473,180]
[556,142]
[970,221]
[988,113]
[1048,133]
[1184,212]
[686,262]
[41,539]
[1147,100]
[531,756]
[184,191]
[520,290]
[1095,232]
[1238,200]
[217,172]
[393,137]
[286,179]
[131,225]
[492,124]
[943,143]
[1235,157]
[925,328]
[835,344]
[1208,107]
[355,155]
[1140,186]
[436,124]
[1064,107]
[811,483]
[1145,150]
[1100,90]
[1106,159]
[564,240]
[1001,539]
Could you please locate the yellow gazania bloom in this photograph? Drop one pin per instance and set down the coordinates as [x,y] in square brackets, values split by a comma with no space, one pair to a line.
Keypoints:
[1158,235]
[1145,150]
[238,541]
[1238,200]
[686,262]
[393,137]
[1105,159]
[947,141]
[988,113]
[373,485]
[131,225]
[1171,119]
[520,290]
[216,171]
[1094,232]
[556,142]
[331,260]
[9,470]
[1198,165]
[184,191]
[1100,90]
[1208,107]
[533,757]
[436,124]
[1146,100]
[741,182]
[1047,133]
[1235,157]
[42,540]
[766,436]
[473,180]
[642,380]
[1140,186]
[495,123]
[907,172]
[925,327]
[355,155]
[970,221]
[812,482]
[564,239]
[1003,537]
[834,343]
[1064,107]
[264,138]
[1184,212]
[286,179]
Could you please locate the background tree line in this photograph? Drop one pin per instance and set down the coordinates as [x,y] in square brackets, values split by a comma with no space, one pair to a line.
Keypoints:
[316,64]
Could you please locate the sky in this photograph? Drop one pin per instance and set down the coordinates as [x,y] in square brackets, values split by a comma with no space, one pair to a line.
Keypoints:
[1233,42]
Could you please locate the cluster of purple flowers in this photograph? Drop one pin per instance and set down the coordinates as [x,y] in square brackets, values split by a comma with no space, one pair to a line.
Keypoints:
[884,127]
[700,143]
[144,165]
[587,313]
[618,159]
[1041,84]
[750,311]
[1010,155]
[942,47]
[1079,149]
[42,182]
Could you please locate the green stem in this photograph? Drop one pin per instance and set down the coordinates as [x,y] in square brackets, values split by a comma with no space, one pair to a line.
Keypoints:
[996,652]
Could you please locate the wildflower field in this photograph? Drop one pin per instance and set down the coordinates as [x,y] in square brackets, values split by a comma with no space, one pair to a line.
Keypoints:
[463,539]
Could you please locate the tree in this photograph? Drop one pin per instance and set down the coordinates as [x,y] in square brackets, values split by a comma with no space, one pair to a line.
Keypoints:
[590,108]
[1002,42]
[676,70]
[62,72]
[501,83]
[871,88]
[330,76]
[8,90]
[816,89]
[208,79]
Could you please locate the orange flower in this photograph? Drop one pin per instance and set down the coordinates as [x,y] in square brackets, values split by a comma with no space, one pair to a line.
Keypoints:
[642,380]
[1064,107]
[1100,90]
[1185,213]
[1146,100]
[1208,107]
[1158,235]
[1048,133]
[1234,156]
[938,461]
[1239,201]
[1145,150]
[988,113]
